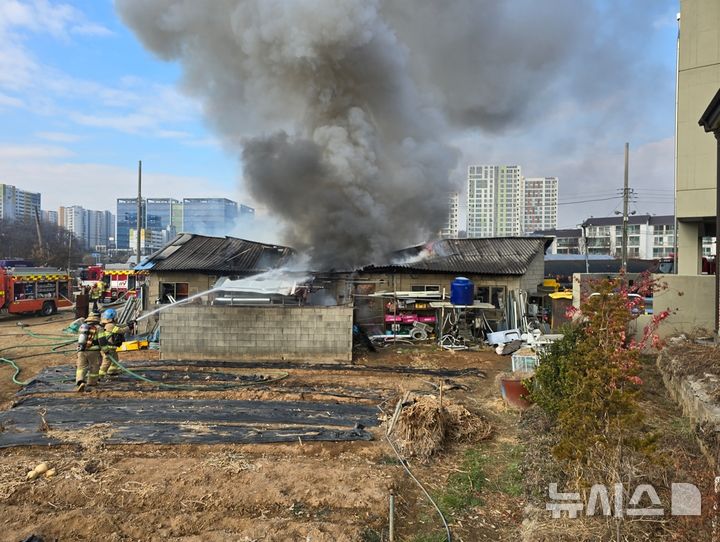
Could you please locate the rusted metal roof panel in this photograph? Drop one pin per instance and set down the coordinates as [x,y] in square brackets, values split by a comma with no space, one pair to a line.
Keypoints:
[189,252]
[486,256]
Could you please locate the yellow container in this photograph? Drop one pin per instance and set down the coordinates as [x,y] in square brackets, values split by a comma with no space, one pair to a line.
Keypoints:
[132,345]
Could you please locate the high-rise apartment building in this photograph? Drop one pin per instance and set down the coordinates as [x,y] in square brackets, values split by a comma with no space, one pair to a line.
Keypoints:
[503,203]
[99,229]
[451,229]
[494,204]
[209,216]
[540,203]
[93,228]
[18,204]
[51,217]
[73,219]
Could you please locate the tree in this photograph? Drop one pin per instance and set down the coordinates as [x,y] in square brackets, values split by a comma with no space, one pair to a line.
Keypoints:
[18,239]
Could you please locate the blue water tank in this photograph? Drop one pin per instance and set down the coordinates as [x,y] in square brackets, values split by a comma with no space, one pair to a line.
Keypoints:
[462,291]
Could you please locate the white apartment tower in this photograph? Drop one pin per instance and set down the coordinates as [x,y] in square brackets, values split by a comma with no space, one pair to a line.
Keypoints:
[18,204]
[495,201]
[451,229]
[540,203]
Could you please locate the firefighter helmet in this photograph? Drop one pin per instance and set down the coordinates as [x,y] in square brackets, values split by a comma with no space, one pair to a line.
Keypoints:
[92,318]
[109,315]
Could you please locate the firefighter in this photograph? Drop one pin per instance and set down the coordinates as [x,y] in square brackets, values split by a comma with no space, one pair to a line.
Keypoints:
[97,294]
[88,355]
[111,336]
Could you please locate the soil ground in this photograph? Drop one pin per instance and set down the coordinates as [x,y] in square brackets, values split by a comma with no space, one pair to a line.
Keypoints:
[296,491]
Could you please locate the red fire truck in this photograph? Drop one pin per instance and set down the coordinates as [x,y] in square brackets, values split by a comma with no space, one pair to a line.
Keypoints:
[34,289]
[121,281]
[90,275]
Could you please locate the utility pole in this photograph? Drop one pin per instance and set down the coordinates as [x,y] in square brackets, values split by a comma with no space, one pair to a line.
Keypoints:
[626,194]
[139,212]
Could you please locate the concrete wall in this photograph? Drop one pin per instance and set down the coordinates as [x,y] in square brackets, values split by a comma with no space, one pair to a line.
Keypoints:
[688,297]
[534,275]
[197,282]
[691,297]
[253,333]
[698,81]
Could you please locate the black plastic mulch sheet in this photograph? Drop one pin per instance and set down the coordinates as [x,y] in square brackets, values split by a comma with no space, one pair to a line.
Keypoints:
[167,378]
[185,421]
[402,369]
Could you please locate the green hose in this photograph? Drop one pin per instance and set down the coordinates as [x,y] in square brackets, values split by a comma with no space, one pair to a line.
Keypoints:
[61,347]
[219,387]
[17,372]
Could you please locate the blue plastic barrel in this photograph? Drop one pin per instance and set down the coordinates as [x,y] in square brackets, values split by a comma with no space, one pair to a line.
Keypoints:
[462,291]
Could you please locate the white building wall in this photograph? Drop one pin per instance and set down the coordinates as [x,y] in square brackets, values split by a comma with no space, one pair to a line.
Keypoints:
[540,203]
[451,229]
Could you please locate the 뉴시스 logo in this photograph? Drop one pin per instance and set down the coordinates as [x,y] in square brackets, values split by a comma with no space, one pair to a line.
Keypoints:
[685,501]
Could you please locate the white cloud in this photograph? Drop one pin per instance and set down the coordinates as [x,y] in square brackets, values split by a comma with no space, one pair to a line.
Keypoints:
[60,137]
[57,19]
[10,101]
[41,152]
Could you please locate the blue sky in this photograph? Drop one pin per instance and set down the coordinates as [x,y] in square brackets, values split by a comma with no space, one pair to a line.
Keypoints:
[81,101]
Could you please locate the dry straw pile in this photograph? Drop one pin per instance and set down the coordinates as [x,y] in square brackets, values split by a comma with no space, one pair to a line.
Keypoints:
[425,426]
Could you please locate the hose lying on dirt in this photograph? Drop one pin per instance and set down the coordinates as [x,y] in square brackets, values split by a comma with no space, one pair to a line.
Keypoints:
[403,462]
[60,346]
[278,376]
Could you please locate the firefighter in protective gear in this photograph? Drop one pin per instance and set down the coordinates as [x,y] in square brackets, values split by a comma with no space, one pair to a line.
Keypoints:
[88,353]
[97,293]
[110,337]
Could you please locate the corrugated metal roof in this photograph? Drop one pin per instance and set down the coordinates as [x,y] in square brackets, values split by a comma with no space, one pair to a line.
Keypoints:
[190,252]
[486,256]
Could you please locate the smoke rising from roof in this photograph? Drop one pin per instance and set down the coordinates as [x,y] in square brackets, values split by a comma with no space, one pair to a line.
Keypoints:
[342,110]
[336,139]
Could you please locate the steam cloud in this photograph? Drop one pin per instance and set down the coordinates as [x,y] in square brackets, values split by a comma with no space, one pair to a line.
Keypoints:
[341,109]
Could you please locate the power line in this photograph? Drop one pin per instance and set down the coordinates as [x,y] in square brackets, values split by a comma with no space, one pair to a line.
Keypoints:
[588,200]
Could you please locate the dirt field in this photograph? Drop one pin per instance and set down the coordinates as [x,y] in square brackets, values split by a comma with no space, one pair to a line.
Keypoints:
[327,491]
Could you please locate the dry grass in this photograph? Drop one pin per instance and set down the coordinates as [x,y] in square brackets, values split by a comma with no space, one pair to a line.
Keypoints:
[91,438]
[425,427]
[231,462]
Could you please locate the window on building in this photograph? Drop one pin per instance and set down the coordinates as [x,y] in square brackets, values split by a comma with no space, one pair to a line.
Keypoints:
[425,288]
[176,290]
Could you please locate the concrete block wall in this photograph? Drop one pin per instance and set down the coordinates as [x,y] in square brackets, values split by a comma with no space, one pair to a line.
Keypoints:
[253,333]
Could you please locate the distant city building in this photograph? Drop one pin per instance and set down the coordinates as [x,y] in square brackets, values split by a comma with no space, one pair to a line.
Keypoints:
[708,247]
[159,213]
[150,240]
[569,241]
[73,219]
[540,203]
[450,231]
[99,229]
[165,217]
[127,219]
[51,217]
[18,204]
[93,228]
[245,212]
[209,216]
[649,236]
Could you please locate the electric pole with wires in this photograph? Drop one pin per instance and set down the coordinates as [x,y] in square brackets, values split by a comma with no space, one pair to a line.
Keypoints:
[626,196]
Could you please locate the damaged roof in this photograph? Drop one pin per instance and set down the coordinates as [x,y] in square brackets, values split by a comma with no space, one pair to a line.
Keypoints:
[229,255]
[484,256]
